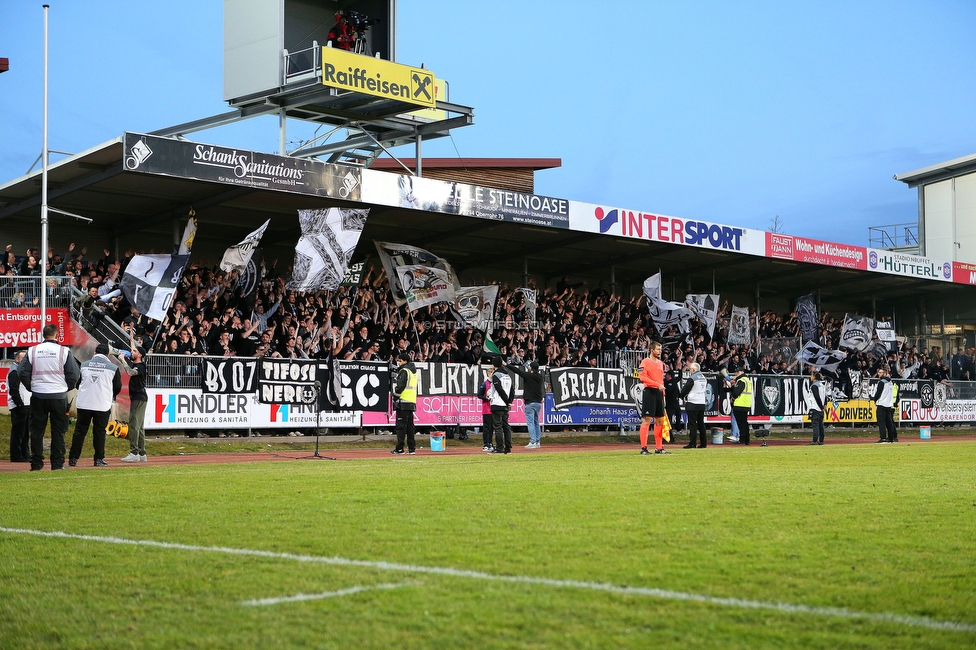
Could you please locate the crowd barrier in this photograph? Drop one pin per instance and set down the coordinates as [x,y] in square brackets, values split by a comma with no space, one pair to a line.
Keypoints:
[448,395]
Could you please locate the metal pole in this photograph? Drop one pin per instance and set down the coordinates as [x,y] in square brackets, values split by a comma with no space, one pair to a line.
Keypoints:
[43,260]
[525,271]
[420,163]
[282,133]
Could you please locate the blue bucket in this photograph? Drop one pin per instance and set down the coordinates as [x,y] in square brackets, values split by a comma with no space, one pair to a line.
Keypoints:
[925,433]
[437,441]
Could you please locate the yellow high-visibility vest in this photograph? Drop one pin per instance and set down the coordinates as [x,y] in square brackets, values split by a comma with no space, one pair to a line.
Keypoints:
[744,400]
[409,393]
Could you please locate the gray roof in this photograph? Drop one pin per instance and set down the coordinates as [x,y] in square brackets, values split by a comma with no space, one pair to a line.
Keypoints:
[942,171]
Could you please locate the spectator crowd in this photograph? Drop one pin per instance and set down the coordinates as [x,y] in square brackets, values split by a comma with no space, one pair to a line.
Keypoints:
[574,324]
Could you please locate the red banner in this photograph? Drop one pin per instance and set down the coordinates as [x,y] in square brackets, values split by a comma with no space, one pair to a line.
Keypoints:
[19,327]
[3,386]
[814,251]
[964,273]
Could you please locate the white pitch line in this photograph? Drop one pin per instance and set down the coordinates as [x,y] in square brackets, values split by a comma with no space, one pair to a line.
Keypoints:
[666,594]
[299,598]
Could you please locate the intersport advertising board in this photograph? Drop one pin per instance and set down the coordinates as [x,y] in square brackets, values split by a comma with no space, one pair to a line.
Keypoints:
[619,222]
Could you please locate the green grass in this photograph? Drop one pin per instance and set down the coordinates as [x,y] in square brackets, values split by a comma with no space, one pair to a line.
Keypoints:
[877,530]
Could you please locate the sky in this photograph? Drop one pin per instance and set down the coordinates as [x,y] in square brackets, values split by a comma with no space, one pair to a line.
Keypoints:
[733,112]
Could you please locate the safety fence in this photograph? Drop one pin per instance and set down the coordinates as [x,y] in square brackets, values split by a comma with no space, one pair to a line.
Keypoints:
[24,292]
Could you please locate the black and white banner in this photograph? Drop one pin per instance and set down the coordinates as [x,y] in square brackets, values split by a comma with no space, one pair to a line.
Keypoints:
[288,381]
[665,314]
[740,333]
[224,376]
[150,282]
[857,333]
[237,256]
[150,154]
[475,306]
[365,385]
[424,285]
[329,238]
[885,332]
[705,308]
[817,356]
[807,317]
[403,255]
[592,386]
[529,297]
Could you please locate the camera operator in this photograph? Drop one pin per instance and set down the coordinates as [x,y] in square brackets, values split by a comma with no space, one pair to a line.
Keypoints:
[341,35]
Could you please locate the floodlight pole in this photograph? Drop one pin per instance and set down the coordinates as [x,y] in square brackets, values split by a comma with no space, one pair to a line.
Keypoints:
[43,253]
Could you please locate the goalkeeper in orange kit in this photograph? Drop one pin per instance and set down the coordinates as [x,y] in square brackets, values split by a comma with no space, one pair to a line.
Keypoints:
[652,402]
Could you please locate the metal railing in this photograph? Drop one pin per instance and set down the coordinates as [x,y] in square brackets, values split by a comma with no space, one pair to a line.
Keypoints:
[173,371]
[896,236]
[625,359]
[303,64]
[24,292]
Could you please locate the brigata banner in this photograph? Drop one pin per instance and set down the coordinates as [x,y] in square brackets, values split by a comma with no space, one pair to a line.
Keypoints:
[19,328]
[182,159]
[605,387]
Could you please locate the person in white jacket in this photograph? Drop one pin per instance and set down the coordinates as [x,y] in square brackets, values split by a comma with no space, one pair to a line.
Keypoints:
[101,381]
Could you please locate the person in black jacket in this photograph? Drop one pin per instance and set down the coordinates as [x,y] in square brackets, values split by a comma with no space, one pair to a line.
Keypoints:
[19,402]
[405,392]
[816,400]
[884,400]
[533,392]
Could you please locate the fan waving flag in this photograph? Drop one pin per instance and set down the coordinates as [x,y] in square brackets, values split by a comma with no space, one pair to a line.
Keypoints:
[396,256]
[820,357]
[857,333]
[807,318]
[705,307]
[740,332]
[329,238]
[150,281]
[236,257]
[664,314]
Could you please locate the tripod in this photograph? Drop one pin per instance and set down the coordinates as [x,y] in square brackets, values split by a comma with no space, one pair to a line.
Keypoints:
[318,419]
[361,45]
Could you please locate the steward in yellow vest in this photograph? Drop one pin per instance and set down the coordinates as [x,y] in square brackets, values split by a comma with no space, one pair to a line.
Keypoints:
[742,404]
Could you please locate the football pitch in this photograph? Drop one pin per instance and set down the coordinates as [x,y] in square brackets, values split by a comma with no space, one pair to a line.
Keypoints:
[868,546]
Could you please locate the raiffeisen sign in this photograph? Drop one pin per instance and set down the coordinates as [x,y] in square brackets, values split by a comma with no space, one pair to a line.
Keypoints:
[371,76]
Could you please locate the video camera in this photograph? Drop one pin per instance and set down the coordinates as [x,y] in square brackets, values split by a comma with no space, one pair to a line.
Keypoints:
[360,21]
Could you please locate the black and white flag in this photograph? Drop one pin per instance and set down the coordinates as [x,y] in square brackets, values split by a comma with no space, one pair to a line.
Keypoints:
[329,238]
[403,255]
[475,306]
[705,308]
[424,285]
[665,314]
[237,256]
[530,302]
[807,317]
[150,281]
[814,355]
[740,333]
[857,333]
[885,332]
